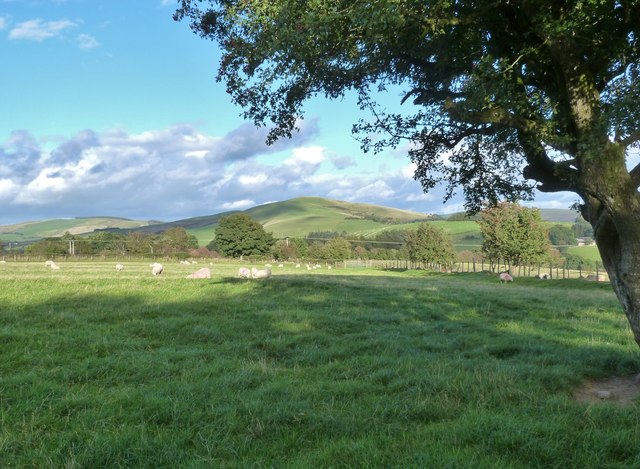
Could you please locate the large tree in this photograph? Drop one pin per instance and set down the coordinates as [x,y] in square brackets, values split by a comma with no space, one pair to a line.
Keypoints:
[239,235]
[430,244]
[513,234]
[507,95]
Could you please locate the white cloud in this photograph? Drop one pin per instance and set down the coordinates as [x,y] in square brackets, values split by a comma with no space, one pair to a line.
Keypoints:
[238,204]
[38,29]
[3,23]
[180,171]
[252,180]
[8,189]
[87,41]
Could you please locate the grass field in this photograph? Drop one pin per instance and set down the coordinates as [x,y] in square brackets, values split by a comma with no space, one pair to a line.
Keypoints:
[340,368]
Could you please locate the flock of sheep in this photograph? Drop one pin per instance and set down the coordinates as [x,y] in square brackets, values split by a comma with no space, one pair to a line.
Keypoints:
[254,273]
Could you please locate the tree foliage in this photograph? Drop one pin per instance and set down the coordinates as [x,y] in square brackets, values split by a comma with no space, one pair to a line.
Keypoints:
[513,234]
[561,235]
[490,82]
[238,235]
[430,244]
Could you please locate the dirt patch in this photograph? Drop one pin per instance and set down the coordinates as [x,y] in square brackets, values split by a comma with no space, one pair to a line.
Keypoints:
[623,391]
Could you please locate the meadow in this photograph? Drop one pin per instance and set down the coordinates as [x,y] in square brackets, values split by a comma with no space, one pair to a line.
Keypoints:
[340,368]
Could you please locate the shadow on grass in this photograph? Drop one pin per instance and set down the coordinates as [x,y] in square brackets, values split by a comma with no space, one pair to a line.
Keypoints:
[272,369]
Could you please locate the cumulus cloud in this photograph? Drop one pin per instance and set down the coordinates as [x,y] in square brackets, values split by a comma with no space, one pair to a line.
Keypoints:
[166,173]
[38,29]
[3,23]
[181,171]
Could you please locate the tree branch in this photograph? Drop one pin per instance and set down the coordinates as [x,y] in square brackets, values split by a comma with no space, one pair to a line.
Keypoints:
[552,176]
[632,138]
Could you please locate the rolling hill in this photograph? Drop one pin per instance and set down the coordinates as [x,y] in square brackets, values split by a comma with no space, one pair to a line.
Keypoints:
[293,218]
[35,230]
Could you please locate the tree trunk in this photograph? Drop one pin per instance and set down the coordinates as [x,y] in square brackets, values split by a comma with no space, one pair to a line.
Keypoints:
[617,236]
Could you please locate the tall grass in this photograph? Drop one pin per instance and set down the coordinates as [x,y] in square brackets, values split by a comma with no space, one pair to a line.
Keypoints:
[308,369]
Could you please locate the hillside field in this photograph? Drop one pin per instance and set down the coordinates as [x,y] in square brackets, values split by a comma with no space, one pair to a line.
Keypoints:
[340,368]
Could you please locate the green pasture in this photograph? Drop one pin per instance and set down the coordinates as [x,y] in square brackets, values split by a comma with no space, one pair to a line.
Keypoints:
[323,368]
[586,252]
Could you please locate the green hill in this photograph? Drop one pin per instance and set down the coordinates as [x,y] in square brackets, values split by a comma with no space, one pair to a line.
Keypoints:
[298,217]
[35,230]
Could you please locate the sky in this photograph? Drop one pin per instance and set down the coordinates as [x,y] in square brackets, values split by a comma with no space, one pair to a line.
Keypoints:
[111,108]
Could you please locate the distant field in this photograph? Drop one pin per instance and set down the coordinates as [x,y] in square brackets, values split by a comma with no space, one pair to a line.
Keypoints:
[340,368]
[586,252]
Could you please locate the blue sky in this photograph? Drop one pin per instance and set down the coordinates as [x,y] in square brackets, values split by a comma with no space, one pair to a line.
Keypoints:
[112,108]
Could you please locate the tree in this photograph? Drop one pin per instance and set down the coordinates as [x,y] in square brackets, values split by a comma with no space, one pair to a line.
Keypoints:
[337,249]
[178,240]
[430,244]
[513,234]
[517,94]
[238,235]
[560,235]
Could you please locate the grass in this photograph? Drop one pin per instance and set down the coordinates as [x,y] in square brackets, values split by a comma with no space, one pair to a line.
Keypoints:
[587,252]
[357,368]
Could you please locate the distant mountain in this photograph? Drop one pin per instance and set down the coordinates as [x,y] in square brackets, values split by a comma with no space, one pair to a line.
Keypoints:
[34,230]
[300,216]
[293,218]
[559,215]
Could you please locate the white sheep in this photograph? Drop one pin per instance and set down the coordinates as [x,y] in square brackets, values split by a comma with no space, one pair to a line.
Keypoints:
[3,261]
[505,277]
[281,265]
[205,272]
[263,273]
[48,263]
[119,267]
[54,266]
[243,272]
[544,276]
[156,268]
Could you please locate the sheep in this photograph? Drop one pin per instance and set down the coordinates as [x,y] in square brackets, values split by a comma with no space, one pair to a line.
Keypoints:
[3,261]
[156,268]
[297,266]
[119,267]
[243,272]
[183,262]
[48,263]
[263,273]
[506,277]
[543,276]
[205,272]
[54,266]
[280,266]
[268,265]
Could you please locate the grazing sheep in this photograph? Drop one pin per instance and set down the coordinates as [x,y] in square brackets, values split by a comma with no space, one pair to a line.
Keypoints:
[205,272]
[297,266]
[544,276]
[505,277]
[268,265]
[54,266]
[263,273]
[281,265]
[243,272]
[48,263]
[119,267]
[3,261]
[183,262]
[156,268]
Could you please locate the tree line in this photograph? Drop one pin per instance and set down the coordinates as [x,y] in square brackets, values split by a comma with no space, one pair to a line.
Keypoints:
[511,235]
